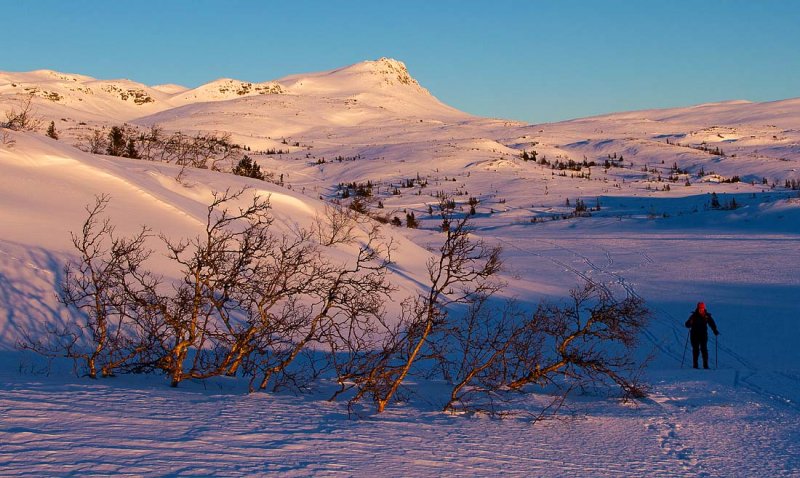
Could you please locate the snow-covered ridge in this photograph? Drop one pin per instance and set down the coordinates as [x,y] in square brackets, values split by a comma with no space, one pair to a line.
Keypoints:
[170,88]
[734,112]
[225,89]
[382,73]
[384,82]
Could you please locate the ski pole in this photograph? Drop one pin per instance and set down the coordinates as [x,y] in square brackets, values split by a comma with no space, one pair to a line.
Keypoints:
[683,359]
[716,351]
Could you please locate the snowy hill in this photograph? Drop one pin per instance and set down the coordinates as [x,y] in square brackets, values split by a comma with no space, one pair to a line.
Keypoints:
[224,89]
[384,84]
[48,184]
[82,98]
[649,230]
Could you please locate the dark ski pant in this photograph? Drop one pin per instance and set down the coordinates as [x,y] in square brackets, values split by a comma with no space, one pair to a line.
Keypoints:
[699,344]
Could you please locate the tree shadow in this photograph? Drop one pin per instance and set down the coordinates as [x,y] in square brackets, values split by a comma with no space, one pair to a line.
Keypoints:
[30,279]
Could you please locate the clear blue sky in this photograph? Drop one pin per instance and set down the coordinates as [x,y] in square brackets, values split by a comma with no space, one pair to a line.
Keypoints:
[531,60]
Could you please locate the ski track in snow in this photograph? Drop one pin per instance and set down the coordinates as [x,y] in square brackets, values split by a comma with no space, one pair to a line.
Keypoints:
[751,371]
[747,373]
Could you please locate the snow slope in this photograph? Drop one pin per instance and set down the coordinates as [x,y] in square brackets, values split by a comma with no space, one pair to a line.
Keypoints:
[47,186]
[654,236]
[382,84]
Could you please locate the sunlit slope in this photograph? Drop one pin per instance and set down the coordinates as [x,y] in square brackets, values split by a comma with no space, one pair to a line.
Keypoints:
[47,185]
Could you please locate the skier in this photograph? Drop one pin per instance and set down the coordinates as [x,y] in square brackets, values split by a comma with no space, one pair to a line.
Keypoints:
[699,322]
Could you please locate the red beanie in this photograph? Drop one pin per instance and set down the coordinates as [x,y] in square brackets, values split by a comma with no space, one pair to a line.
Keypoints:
[701,307]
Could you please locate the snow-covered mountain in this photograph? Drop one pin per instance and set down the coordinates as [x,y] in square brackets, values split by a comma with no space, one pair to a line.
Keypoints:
[650,230]
[382,84]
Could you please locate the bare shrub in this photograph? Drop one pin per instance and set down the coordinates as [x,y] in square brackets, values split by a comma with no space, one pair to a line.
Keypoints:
[586,342]
[461,273]
[94,142]
[589,340]
[202,151]
[336,225]
[486,348]
[22,116]
[334,304]
[98,289]
[248,301]
[6,139]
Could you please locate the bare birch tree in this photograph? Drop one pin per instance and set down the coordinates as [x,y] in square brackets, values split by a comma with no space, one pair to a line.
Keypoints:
[248,301]
[588,341]
[98,287]
[462,272]
[22,117]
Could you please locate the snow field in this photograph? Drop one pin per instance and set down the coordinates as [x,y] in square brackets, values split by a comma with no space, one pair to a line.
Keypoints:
[129,426]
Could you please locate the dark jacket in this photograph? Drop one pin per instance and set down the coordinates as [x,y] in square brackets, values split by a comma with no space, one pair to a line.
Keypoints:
[699,324]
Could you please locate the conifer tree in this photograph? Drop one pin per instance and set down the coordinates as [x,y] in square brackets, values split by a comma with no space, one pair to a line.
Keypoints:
[130,150]
[411,221]
[116,142]
[51,130]
[714,201]
[249,168]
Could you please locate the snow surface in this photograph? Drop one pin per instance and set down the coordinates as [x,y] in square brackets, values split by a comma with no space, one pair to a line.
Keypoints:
[667,246]
[693,426]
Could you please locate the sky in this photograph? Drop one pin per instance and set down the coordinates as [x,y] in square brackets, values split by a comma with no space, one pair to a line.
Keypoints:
[529,60]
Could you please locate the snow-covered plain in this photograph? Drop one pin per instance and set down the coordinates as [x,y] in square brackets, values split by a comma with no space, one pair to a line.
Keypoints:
[664,244]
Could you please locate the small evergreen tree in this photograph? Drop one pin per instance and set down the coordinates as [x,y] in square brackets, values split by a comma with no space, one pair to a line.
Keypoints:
[248,168]
[411,221]
[714,201]
[116,142]
[130,150]
[473,201]
[359,205]
[51,130]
